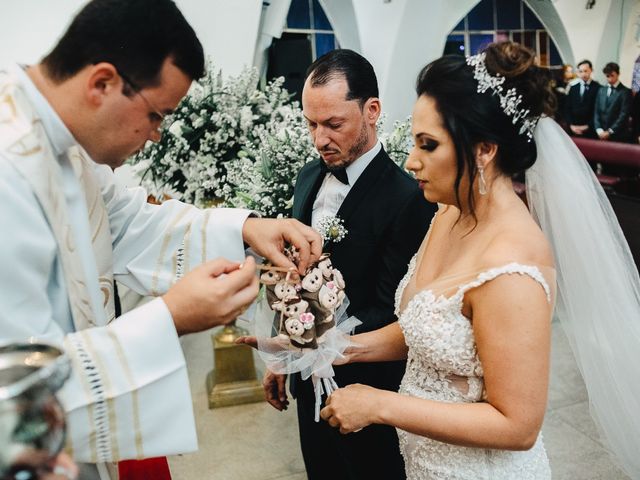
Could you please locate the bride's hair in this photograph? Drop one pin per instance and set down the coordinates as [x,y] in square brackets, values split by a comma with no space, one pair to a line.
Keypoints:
[471,117]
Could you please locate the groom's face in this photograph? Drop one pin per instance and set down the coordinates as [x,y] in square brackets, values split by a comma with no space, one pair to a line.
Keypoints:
[341,129]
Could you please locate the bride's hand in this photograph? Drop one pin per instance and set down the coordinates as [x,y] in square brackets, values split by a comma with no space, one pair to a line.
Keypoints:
[248,340]
[352,408]
[268,345]
[350,354]
[355,352]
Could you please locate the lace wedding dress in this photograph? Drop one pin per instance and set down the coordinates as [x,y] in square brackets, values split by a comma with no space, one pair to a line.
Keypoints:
[443,365]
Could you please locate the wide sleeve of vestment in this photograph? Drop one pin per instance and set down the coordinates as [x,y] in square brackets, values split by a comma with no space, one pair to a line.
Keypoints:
[128,395]
[154,245]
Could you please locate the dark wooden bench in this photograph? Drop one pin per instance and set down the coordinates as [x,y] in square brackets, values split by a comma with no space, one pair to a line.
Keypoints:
[617,165]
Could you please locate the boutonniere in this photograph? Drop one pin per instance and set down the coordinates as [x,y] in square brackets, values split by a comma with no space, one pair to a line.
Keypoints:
[332,229]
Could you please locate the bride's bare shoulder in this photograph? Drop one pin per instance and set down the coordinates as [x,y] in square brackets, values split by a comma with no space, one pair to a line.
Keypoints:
[518,240]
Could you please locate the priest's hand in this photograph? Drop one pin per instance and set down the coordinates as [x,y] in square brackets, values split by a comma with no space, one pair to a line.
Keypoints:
[353,407]
[34,467]
[268,238]
[63,469]
[275,390]
[213,294]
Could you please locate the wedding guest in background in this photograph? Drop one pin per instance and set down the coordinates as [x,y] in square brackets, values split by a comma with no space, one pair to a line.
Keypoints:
[94,100]
[563,84]
[380,205]
[580,103]
[613,103]
[635,119]
[567,79]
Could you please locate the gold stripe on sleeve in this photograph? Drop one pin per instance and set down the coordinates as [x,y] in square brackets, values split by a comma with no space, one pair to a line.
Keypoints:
[134,392]
[163,250]
[107,439]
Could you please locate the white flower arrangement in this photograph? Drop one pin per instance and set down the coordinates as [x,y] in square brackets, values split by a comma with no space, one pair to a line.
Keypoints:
[332,229]
[231,143]
[399,141]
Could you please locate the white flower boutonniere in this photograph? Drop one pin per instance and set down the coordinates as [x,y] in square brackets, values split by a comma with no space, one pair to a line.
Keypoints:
[332,229]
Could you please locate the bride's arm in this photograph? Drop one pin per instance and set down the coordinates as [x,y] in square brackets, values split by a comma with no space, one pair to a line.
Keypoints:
[382,345]
[511,319]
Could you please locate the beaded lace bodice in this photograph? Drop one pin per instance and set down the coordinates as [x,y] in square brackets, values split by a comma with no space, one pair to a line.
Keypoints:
[443,365]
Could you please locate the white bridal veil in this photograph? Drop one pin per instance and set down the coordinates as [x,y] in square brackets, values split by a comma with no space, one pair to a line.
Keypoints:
[598,301]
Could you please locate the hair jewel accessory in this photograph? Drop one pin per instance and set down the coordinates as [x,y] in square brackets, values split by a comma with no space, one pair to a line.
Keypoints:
[509,101]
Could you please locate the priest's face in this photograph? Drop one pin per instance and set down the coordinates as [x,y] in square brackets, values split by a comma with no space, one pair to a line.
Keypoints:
[130,116]
[341,130]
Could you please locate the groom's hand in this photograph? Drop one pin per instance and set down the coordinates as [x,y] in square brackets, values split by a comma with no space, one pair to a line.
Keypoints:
[275,390]
[268,238]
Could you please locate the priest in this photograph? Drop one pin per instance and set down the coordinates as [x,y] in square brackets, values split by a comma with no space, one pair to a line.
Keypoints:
[69,230]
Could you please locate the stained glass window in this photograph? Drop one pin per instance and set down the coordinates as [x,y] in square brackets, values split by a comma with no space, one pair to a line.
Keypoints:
[502,20]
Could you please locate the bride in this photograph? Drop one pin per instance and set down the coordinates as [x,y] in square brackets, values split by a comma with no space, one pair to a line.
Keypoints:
[475,306]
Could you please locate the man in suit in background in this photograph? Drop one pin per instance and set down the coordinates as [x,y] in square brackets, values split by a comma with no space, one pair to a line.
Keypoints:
[635,118]
[581,101]
[386,218]
[613,102]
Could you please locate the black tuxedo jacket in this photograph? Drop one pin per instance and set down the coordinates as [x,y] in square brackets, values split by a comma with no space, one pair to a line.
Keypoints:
[579,111]
[612,112]
[386,217]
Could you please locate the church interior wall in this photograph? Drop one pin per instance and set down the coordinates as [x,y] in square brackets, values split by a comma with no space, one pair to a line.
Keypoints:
[228,30]
[397,36]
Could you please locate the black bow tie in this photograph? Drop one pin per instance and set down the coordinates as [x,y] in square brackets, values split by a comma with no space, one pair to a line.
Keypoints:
[340,173]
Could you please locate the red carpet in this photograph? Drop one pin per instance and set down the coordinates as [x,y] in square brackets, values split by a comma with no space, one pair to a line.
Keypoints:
[148,469]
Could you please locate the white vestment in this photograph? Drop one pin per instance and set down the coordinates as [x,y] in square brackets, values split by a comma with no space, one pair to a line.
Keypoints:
[67,231]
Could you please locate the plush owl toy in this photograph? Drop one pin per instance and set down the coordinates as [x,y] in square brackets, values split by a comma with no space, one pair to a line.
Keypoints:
[305,306]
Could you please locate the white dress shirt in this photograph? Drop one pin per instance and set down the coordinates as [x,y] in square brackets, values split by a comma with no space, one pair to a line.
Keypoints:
[333,192]
[583,87]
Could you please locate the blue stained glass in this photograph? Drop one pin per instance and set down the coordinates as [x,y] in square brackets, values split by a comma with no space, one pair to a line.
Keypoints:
[320,20]
[298,16]
[530,20]
[508,13]
[479,41]
[556,59]
[325,42]
[460,26]
[481,17]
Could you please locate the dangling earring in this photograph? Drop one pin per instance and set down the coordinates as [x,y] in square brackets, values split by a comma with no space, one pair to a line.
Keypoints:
[482,184]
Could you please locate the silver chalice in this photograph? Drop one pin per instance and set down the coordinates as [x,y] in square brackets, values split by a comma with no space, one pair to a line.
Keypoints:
[32,425]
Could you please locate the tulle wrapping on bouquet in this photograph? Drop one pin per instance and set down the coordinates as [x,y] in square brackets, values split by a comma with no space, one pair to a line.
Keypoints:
[283,358]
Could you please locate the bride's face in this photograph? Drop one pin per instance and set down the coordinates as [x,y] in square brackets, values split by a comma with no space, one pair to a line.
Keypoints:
[433,157]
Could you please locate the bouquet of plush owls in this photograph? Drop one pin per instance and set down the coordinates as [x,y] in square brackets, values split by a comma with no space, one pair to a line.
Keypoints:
[301,323]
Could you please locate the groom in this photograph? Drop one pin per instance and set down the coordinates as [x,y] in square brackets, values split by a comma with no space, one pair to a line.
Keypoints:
[386,217]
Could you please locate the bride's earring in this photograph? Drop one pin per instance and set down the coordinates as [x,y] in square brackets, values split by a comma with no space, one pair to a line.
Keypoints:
[482,184]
